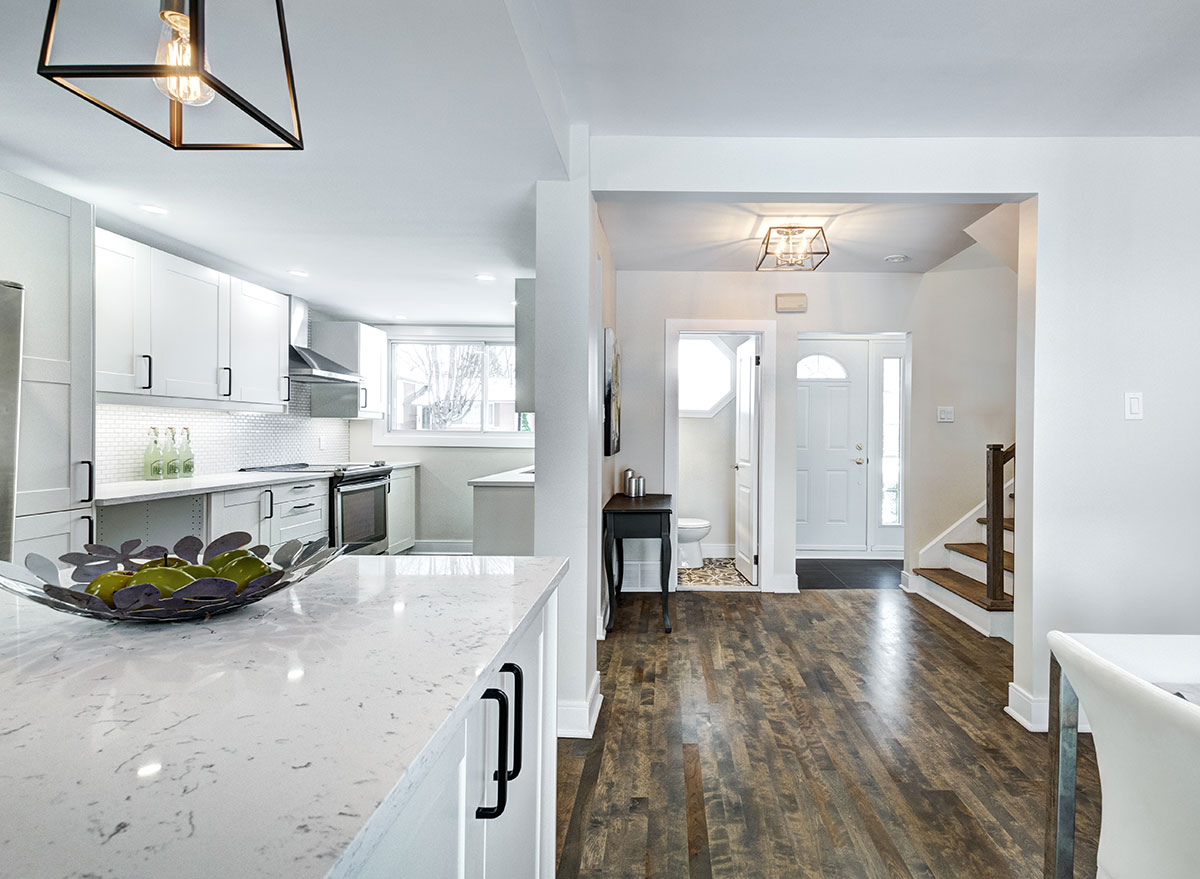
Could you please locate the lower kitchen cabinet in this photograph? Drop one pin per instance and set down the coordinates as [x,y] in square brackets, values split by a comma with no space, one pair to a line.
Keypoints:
[272,514]
[52,534]
[402,509]
[453,824]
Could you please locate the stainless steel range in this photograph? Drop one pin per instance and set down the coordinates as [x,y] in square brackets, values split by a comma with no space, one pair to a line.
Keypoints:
[357,503]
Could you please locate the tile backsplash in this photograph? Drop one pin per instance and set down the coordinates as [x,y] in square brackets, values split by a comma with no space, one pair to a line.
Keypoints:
[223,441]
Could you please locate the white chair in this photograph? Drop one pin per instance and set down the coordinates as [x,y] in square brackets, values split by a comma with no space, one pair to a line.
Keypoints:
[1148,750]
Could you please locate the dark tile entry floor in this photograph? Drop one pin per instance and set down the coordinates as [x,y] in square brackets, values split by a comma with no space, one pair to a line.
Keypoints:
[848,573]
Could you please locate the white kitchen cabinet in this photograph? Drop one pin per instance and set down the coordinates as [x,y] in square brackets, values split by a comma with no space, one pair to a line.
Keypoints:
[122,314]
[52,534]
[437,833]
[189,329]
[359,347]
[402,509]
[46,244]
[272,514]
[258,344]
[243,509]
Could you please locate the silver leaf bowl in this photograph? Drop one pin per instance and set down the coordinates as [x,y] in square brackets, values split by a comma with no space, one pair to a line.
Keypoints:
[43,581]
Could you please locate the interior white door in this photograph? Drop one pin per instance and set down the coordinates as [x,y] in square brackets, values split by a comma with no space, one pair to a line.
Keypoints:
[831,445]
[745,506]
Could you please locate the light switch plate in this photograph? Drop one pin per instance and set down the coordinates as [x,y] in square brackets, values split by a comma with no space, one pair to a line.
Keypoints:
[945,414]
[1133,405]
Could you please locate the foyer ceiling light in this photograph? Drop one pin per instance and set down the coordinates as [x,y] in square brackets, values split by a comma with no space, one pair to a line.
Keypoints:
[792,248]
[104,56]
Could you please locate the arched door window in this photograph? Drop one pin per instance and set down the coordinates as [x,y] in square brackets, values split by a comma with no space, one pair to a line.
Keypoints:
[819,366]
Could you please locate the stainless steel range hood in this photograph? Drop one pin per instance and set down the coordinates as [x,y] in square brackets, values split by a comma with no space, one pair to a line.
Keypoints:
[305,364]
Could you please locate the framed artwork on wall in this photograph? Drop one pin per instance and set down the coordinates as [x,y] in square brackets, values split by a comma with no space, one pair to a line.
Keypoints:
[612,394]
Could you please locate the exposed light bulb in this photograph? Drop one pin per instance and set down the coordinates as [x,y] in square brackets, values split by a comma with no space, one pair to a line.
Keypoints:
[794,249]
[175,50]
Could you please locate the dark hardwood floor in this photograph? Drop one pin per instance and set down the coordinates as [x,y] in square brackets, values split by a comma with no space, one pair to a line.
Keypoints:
[837,733]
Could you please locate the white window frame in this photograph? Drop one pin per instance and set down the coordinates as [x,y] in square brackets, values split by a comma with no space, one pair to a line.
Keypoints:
[382,435]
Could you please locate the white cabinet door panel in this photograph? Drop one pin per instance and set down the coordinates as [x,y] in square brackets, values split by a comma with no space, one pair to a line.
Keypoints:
[258,329]
[122,314]
[189,320]
[51,534]
[402,510]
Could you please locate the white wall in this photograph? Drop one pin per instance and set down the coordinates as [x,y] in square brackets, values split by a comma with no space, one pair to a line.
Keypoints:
[961,324]
[1111,525]
[706,475]
[444,500]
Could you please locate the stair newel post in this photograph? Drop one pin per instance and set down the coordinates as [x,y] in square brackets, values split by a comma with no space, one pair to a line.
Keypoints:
[995,522]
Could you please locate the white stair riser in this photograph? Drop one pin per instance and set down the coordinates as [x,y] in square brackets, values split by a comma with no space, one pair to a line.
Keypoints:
[994,624]
[1008,538]
[974,568]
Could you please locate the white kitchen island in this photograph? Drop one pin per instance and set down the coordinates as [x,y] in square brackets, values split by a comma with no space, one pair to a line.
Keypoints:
[335,728]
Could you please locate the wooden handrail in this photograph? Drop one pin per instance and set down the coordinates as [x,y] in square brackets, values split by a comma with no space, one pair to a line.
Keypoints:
[997,457]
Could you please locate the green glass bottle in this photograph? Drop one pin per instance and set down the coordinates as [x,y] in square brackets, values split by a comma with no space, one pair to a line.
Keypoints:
[152,459]
[171,456]
[187,458]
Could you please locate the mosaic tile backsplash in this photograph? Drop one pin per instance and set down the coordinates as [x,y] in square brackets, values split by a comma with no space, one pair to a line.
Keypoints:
[223,441]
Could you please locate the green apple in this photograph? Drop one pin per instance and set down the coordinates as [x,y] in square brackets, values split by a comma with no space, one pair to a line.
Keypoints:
[165,562]
[105,585]
[199,571]
[243,570]
[219,561]
[167,580]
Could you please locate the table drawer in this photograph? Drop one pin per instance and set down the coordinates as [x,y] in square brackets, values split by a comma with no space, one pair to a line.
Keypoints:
[639,524]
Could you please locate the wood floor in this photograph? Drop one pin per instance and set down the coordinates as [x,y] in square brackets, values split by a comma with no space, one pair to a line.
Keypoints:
[823,734]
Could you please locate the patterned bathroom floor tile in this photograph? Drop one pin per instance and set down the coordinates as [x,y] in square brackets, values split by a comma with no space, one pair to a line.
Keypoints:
[717,575]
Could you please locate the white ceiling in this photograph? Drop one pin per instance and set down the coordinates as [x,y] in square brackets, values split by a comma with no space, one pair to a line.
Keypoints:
[683,236]
[879,68]
[427,125]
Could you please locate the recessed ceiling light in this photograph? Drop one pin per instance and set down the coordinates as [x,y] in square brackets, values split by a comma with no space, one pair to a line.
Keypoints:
[484,276]
[298,273]
[897,257]
[152,209]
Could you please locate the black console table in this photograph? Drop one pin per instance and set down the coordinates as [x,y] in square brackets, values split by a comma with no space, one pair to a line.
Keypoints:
[646,516]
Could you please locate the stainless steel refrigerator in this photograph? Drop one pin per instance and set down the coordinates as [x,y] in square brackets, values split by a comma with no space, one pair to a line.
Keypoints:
[12,308]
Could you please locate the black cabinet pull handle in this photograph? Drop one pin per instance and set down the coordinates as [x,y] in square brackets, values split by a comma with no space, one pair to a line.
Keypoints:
[91,528]
[363,391]
[288,398]
[302,506]
[487,812]
[271,509]
[299,487]
[228,372]
[149,373]
[91,482]
[518,715]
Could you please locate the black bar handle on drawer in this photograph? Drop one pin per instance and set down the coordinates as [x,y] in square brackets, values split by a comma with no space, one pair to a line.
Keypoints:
[91,528]
[91,465]
[271,509]
[501,758]
[363,391]
[149,373]
[229,372]
[518,715]
[288,398]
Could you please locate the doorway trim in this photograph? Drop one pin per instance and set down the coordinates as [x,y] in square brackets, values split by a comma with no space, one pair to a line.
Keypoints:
[769,579]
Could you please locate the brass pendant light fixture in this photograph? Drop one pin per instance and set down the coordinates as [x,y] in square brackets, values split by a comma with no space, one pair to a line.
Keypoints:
[202,110]
[792,248]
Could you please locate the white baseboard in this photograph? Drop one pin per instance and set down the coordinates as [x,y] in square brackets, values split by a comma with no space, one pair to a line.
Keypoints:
[577,719]
[441,547]
[897,553]
[1027,710]
[993,623]
[717,550]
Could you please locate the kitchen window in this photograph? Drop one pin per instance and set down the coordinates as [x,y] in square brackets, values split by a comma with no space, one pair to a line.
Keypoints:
[454,391]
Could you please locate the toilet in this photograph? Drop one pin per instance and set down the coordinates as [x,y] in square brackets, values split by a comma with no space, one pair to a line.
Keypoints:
[690,532]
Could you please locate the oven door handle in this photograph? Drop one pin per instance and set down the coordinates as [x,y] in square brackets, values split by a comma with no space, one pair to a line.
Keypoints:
[361,486]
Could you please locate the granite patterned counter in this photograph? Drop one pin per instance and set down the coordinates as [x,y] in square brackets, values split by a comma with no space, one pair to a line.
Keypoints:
[256,744]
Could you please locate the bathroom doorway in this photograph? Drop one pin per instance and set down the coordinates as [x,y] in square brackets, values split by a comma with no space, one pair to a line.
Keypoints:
[715,442]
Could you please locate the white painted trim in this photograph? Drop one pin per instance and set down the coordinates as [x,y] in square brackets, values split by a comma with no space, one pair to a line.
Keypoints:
[1025,709]
[966,530]
[717,550]
[890,553]
[766,331]
[441,547]
[904,582]
[577,720]
[993,623]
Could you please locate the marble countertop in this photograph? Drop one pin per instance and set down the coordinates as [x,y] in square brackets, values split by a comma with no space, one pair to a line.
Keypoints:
[253,745]
[138,490]
[519,478]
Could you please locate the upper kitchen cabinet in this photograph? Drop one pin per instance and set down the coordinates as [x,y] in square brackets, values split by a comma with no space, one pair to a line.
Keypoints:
[46,245]
[362,348]
[189,330]
[258,344]
[167,327]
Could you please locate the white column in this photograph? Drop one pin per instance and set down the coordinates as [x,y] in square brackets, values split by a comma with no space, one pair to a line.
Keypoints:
[567,487]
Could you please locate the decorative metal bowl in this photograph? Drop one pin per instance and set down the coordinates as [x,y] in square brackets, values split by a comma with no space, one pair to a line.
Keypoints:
[43,581]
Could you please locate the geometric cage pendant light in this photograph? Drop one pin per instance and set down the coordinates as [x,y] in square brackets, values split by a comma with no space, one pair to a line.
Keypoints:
[792,248]
[148,63]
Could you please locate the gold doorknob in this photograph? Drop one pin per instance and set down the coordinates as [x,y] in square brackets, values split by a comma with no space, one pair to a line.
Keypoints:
[858,460]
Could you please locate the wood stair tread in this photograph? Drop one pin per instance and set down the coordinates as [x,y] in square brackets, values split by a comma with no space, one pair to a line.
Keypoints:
[1008,523]
[978,551]
[964,587]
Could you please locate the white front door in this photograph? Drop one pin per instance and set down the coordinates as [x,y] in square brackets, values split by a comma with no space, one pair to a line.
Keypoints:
[746,464]
[831,445]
